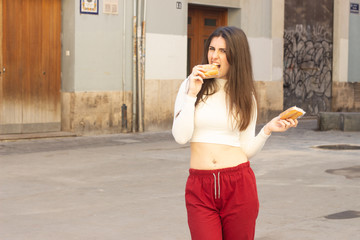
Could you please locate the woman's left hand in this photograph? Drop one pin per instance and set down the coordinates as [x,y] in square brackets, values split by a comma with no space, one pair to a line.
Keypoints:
[279,125]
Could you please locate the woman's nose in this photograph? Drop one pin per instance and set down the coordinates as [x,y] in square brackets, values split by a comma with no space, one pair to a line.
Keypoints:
[215,55]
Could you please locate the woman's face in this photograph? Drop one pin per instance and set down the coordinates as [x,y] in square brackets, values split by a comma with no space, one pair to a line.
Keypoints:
[217,54]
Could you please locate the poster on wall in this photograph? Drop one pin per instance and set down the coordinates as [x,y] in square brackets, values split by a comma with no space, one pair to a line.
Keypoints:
[111,7]
[89,6]
[354,8]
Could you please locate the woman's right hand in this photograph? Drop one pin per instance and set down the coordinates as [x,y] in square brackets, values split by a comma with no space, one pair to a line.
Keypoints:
[196,80]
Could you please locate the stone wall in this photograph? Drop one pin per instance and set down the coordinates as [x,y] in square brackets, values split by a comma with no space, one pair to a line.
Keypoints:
[160,98]
[96,112]
[270,99]
[345,97]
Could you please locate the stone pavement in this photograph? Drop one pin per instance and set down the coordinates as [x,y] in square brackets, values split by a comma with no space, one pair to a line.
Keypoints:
[131,187]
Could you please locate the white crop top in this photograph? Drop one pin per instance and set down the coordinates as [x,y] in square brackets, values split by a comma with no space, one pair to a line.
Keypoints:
[208,122]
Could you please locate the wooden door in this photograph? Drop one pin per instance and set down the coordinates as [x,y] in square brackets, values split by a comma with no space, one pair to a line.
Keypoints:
[31,66]
[202,21]
[308,51]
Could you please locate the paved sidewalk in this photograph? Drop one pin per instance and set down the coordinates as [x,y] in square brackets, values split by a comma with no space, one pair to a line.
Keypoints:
[131,187]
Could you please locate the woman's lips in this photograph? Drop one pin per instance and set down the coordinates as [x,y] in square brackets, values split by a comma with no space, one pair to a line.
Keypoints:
[218,65]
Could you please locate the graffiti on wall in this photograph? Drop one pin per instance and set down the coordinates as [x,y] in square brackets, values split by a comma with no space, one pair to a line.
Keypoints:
[308,68]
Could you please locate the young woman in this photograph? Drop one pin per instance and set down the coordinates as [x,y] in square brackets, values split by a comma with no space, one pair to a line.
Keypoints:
[218,117]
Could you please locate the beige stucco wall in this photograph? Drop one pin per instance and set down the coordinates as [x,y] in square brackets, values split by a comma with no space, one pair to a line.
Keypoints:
[266,42]
[270,99]
[340,91]
[345,95]
[340,41]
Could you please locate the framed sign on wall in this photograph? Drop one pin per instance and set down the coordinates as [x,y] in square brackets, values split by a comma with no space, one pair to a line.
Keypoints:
[89,6]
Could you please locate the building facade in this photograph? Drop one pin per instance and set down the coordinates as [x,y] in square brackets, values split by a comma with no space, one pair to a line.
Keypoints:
[118,68]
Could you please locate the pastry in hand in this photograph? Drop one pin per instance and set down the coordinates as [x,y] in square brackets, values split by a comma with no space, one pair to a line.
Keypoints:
[211,70]
[292,113]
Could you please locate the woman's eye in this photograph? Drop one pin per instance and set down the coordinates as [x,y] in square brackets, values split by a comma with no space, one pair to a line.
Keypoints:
[222,50]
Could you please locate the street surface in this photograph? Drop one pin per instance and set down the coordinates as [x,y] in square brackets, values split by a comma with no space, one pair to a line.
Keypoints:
[131,187]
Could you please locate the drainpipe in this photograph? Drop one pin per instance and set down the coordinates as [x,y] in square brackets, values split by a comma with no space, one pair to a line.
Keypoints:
[139,68]
[142,74]
[134,83]
[124,107]
[139,64]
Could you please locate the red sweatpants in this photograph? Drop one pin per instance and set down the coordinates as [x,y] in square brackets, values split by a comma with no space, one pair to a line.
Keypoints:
[222,204]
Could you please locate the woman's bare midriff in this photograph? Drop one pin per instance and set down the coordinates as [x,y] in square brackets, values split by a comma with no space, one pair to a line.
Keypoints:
[207,156]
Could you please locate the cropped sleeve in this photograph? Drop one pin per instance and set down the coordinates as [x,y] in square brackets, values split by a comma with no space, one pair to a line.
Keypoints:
[183,123]
[251,143]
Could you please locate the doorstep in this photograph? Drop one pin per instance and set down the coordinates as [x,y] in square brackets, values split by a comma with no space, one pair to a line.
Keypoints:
[23,136]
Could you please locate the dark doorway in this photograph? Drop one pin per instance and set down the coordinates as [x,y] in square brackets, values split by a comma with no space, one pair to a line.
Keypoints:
[308,47]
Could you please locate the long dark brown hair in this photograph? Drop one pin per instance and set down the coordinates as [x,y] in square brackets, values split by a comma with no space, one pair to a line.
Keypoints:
[239,86]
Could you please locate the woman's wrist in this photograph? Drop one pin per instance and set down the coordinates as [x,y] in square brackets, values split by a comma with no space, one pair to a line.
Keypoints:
[267,131]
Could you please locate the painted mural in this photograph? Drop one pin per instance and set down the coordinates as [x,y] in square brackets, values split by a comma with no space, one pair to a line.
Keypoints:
[308,50]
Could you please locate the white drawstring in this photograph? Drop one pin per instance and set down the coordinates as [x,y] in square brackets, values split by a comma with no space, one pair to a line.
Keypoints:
[215,183]
[218,185]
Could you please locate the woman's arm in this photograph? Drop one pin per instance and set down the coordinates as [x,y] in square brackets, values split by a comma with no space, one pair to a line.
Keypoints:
[254,144]
[183,124]
[251,143]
